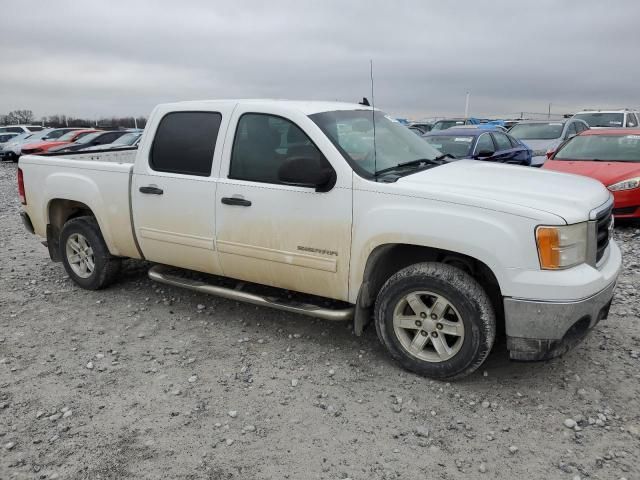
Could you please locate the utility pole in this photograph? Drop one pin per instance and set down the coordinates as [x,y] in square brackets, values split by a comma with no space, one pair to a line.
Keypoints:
[549,114]
[466,107]
[135,122]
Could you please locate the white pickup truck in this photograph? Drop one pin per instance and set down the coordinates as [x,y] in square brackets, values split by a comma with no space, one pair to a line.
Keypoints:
[340,202]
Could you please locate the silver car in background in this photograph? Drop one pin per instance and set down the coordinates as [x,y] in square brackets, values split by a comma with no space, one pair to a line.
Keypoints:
[542,136]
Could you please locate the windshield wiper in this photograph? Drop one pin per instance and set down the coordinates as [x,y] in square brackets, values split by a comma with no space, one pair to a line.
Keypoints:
[417,162]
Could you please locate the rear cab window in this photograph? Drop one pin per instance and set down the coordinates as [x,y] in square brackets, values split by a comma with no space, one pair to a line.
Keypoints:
[185,142]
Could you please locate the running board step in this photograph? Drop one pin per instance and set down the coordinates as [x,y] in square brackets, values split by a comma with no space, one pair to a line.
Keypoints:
[163,274]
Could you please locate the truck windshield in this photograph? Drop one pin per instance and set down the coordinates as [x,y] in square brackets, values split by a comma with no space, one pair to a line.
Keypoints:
[597,119]
[614,148]
[537,131]
[351,131]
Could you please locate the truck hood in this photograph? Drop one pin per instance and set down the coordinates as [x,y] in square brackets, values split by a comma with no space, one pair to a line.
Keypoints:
[514,189]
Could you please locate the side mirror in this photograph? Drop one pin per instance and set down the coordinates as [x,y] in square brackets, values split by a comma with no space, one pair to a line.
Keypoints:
[550,153]
[307,172]
[485,154]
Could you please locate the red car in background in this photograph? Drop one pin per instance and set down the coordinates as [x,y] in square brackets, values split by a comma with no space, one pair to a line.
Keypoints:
[69,137]
[611,156]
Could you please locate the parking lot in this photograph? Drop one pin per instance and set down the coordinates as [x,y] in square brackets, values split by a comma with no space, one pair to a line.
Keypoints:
[145,381]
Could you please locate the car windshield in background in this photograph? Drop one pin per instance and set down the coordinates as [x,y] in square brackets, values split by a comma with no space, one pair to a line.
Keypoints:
[444,124]
[459,146]
[88,138]
[537,131]
[615,148]
[351,131]
[597,119]
[126,139]
[67,137]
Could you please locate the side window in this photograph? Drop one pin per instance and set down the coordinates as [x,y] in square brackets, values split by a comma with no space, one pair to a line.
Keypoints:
[580,127]
[185,142]
[485,144]
[502,141]
[571,130]
[263,143]
[514,142]
[632,121]
[106,138]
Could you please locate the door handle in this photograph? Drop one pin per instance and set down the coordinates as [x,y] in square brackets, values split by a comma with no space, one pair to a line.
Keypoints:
[236,201]
[151,190]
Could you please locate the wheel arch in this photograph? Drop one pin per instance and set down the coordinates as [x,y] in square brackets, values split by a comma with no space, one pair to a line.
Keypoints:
[387,259]
[59,212]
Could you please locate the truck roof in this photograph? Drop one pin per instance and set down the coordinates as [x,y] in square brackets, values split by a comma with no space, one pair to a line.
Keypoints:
[308,107]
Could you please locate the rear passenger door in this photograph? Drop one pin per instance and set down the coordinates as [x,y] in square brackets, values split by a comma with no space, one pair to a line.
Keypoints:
[278,234]
[505,151]
[174,187]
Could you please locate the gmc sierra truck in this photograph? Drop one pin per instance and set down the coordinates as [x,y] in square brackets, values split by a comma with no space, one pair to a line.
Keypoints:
[338,202]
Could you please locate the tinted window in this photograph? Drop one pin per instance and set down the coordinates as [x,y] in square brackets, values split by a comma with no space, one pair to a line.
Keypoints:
[108,138]
[485,143]
[580,127]
[185,142]
[502,141]
[571,130]
[514,142]
[15,129]
[263,143]
[632,121]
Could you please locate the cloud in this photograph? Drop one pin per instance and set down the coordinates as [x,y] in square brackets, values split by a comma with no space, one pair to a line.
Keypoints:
[110,58]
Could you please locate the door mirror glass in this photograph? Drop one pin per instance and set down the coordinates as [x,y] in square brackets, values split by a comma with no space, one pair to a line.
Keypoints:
[306,172]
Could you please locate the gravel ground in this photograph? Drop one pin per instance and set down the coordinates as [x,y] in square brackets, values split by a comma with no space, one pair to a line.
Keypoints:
[145,381]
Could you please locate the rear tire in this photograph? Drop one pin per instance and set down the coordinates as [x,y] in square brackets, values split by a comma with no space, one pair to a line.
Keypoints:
[85,255]
[435,320]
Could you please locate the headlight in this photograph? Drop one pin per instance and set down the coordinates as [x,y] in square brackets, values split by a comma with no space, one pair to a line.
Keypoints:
[562,247]
[627,184]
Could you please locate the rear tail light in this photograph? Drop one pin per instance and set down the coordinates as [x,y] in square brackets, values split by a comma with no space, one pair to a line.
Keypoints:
[21,194]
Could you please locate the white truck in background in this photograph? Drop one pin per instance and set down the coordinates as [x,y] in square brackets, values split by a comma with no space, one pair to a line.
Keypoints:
[309,197]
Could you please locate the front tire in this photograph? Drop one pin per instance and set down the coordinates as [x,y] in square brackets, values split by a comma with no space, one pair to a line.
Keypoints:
[435,320]
[85,255]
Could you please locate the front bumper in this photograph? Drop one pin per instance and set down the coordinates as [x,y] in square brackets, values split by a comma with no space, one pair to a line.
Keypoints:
[627,203]
[538,330]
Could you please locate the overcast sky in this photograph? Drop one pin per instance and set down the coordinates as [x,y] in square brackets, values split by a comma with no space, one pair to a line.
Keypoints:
[103,58]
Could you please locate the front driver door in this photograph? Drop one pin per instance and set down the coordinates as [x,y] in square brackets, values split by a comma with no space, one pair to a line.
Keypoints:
[275,234]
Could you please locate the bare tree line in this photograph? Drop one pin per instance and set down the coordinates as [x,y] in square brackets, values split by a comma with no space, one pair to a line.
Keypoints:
[26,117]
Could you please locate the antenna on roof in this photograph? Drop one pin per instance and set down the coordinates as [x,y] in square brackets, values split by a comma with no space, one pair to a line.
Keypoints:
[364,102]
[373,119]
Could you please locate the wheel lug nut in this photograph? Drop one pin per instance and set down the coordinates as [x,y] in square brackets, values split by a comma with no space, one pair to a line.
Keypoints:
[418,323]
[434,334]
[434,316]
[439,326]
[423,315]
[423,333]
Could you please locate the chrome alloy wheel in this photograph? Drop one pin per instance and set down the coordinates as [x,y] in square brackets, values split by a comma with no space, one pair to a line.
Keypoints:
[80,255]
[428,326]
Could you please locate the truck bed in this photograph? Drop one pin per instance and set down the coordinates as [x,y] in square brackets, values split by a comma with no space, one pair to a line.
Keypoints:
[100,181]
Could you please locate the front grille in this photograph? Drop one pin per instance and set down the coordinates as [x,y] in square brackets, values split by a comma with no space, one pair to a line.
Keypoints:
[603,232]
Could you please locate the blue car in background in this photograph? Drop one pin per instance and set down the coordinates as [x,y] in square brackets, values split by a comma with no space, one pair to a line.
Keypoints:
[480,144]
